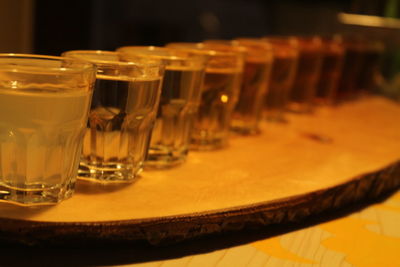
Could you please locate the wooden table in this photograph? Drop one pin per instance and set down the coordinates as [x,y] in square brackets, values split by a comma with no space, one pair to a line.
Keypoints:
[347,230]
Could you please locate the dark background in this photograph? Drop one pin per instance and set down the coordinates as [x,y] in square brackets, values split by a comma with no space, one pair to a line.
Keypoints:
[108,24]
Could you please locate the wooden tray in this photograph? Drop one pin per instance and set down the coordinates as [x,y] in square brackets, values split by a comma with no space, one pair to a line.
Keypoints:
[312,164]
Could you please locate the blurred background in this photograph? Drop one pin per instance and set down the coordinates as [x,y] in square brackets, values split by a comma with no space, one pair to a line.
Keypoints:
[51,27]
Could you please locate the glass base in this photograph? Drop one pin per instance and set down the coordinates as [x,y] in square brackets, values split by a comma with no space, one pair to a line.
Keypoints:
[245,125]
[163,158]
[276,119]
[275,115]
[300,108]
[108,173]
[245,130]
[36,196]
[208,144]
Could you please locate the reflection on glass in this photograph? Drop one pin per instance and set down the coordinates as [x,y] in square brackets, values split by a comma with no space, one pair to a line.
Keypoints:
[121,118]
[180,97]
[307,74]
[285,50]
[44,103]
[331,69]
[219,95]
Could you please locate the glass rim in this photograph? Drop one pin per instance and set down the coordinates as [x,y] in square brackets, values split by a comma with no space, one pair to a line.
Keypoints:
[73,53]
[84,65]
[252,41]
[280,38]
[251,50]
[200,49]
[136,50]
[308,37]
[225,46]
[289,42]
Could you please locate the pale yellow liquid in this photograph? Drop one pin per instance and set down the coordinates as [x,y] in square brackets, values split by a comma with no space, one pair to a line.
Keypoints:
[41,134]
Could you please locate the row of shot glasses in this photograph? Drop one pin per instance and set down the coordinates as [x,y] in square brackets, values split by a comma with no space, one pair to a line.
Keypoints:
[150,106]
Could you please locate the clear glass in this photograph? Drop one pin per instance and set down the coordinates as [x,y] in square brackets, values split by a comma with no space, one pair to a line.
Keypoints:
[256,76]
[331,69]
[179,102]
[122,114]
[361,66]
[284,69]
[44,104]
[223,74]
[307,75]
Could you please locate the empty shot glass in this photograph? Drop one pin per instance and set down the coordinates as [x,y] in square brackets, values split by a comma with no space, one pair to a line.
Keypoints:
[256,72]
[222,79]
[302,94]
[122,115]
[44,105]
[180,98]
[284,67]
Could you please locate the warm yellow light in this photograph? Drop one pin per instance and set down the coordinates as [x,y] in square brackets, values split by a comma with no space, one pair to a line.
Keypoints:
[224,98]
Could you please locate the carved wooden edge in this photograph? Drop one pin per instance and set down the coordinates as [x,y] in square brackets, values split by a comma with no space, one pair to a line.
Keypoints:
[173,229]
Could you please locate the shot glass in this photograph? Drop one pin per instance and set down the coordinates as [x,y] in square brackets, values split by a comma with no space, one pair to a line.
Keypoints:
[284,67]
[371,71]
[222,79]
[302,94]
[44,105]
[121,118]
[361,67]
[257,68]
[331,70]
[179,102]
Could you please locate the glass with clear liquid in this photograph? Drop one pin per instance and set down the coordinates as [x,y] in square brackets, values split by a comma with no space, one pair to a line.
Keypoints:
[218,100]
[44,104]
[219,95]
[121,117]
[179,102]
[177,111]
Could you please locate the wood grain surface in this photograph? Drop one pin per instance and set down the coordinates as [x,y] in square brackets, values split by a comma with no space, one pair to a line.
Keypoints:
[313,163]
